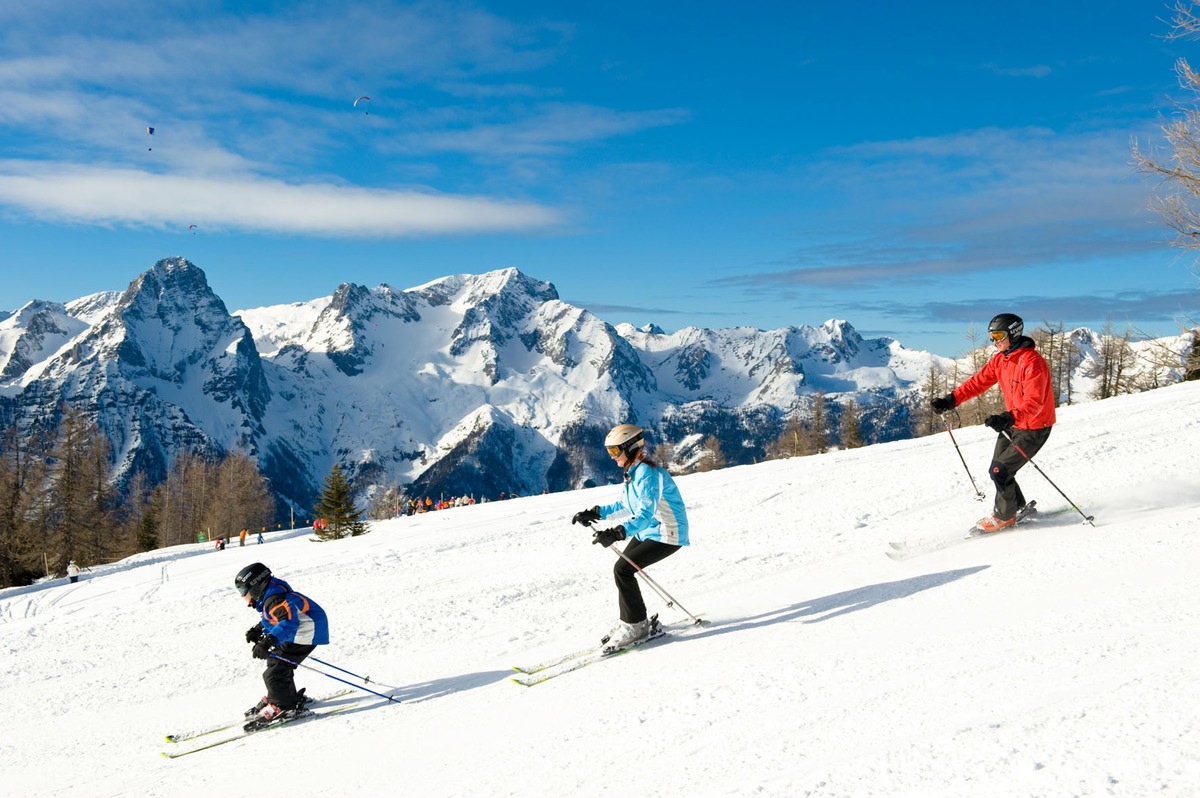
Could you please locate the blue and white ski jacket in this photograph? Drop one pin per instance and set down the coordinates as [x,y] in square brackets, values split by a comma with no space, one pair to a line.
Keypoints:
[291,617]
[652,499]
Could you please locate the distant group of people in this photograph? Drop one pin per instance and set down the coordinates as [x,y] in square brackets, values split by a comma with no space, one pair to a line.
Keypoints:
[428,505]
[220,543]
[654,518]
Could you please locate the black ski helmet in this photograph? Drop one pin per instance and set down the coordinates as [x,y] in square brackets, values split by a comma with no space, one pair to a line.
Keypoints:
[252,580]
[1008,323]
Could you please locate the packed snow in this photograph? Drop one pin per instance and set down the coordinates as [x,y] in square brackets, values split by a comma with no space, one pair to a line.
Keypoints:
[1059,659]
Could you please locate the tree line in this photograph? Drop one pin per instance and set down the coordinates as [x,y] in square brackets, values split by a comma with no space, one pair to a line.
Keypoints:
[58,501]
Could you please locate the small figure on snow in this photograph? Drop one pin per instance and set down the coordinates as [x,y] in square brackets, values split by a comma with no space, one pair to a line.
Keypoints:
[292,626]
[658,527]
[1024,427]
[73,571]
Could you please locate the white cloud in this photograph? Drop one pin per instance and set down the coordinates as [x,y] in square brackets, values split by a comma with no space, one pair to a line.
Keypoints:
[117,196]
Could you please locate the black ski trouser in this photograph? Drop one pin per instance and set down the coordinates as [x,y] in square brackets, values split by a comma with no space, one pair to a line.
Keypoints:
[1007,461]
[280,676]
[629,593]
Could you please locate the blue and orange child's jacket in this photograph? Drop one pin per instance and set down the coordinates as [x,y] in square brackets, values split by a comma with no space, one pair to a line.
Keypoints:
[291,617]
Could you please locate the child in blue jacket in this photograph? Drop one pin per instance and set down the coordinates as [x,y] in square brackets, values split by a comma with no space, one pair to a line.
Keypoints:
[292,626]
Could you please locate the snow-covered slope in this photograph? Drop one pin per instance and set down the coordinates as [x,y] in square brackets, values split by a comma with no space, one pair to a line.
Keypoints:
[1058,659]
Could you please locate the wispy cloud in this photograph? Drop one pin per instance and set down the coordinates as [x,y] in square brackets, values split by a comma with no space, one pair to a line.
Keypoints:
[254,129]
[115,196]
[978,201]
[1035,71]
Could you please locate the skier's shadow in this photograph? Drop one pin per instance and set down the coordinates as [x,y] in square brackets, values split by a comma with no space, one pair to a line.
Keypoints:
[832,606]
[424,691]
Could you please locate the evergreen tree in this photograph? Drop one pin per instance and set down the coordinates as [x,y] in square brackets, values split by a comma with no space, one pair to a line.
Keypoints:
[336,508]
[851,428]
[147,532]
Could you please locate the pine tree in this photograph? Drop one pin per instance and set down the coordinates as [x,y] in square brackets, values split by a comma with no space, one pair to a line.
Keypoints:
[851,429]
[336,508]
[147,532]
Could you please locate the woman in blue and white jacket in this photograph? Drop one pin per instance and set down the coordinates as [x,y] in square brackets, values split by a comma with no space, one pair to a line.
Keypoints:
[657,524]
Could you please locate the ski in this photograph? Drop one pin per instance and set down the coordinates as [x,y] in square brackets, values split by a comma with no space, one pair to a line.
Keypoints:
[589,656]
[903,550]
[191,735]
[242,733]
[550,663]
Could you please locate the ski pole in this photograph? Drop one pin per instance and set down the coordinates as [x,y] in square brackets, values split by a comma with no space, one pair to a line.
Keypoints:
[979,495]
[331,676]
[1087,519]
[664,595]
[366,679]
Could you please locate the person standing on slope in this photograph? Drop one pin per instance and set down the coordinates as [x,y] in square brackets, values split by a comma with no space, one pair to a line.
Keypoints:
[1024,379]
[292,626]
[658,525]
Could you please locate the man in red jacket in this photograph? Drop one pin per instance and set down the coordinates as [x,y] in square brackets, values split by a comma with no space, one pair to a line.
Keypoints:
[1024,380]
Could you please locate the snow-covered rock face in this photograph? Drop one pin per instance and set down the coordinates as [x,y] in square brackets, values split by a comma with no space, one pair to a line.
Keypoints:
[470,384]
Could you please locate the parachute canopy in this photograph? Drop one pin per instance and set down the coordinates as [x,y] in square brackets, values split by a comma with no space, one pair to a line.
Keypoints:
[362,99]
[150,130]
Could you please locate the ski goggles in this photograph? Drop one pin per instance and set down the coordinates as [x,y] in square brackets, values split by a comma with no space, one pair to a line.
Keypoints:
[998,335]
[613,451]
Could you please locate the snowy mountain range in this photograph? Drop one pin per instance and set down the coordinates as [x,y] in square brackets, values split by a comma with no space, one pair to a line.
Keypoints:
[470,384]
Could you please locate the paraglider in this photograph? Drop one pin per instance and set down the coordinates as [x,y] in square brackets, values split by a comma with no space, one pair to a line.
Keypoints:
[149,132]
[192,227]
[363,99]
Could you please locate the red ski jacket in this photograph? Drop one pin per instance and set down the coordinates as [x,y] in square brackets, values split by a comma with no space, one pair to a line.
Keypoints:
[1024,381]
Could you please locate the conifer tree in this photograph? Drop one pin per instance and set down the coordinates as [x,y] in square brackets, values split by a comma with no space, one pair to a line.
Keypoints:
[851,428]
[336,508]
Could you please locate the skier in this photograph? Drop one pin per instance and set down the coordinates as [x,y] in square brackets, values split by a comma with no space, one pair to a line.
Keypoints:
[658,525]
[1024,379]
[292,627]
[73,571]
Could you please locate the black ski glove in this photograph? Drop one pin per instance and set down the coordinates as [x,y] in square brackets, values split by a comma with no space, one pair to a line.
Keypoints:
[1000,422]
[587,517]
[943,403]
[262,649]
[607,537]
[253,633]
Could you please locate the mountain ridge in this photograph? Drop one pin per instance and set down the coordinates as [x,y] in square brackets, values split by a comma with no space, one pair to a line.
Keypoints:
[468,384]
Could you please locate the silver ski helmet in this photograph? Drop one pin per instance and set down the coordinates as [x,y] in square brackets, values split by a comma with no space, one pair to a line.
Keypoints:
[1008,323]
[252,580]
[625,438]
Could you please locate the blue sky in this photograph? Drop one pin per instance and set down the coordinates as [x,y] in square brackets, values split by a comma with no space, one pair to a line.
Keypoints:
[913,168]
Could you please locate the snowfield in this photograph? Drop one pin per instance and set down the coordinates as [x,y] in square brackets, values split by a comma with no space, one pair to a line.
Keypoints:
[1055,660]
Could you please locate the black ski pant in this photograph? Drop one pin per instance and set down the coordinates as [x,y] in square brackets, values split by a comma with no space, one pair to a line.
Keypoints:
[1007,461]
[280,676]
[644,553]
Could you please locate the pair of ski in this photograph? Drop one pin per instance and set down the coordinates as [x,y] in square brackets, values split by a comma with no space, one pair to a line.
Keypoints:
[545,671]
[241,730]
[904,549]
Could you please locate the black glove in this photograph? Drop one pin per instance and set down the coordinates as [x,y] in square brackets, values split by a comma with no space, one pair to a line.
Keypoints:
[607,537]
[253,633]
[264,645]
[943,403]
[587,517]
[1000,422]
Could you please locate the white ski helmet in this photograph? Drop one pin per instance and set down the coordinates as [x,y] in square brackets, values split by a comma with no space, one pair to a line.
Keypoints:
[625,438]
